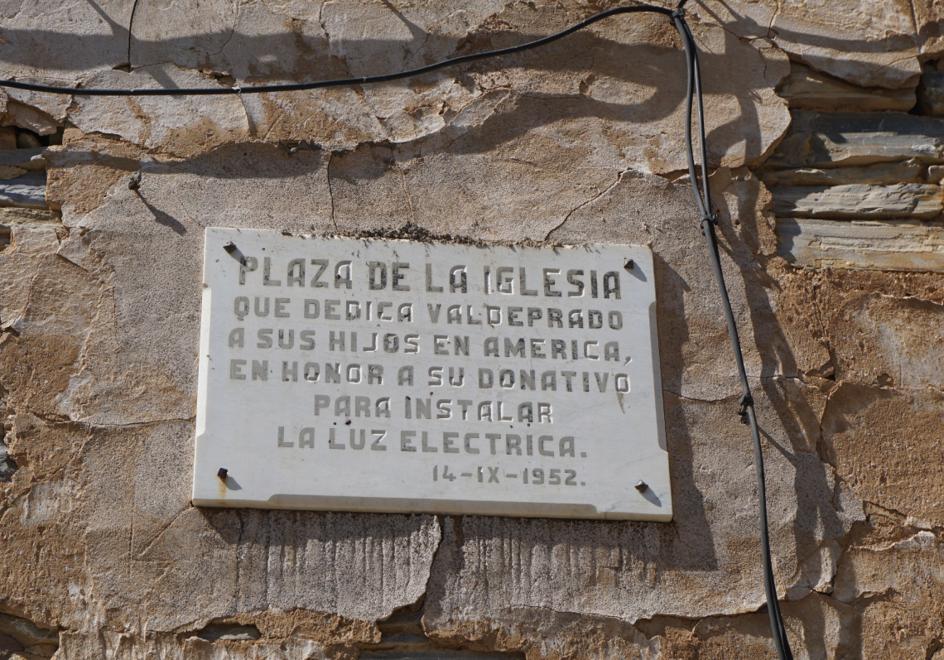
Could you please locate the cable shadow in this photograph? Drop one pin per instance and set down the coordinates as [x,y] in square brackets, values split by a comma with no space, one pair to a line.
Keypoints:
[657,66]
[70,52]
[744,25]
[816,497]
[654,547]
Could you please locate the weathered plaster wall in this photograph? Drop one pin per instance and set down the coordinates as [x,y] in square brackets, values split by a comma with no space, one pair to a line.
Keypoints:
[827,123]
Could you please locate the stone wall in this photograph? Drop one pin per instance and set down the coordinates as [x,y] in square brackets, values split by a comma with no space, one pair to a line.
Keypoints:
[827,129]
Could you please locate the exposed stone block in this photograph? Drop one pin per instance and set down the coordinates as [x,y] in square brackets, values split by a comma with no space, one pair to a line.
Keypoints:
[906,200]
[843,138]
[808,89]
[898,583]
[889,245]
[929,16]
[931,93]
[24,636]
[866,43]
[875,323]
[906,171]
[28,191]
[17,162]
[882,442]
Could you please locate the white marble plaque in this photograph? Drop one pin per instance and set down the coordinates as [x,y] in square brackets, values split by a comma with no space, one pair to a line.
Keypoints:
[400,376]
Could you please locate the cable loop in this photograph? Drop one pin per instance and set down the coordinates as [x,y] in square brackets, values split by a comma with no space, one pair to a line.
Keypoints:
[747,401]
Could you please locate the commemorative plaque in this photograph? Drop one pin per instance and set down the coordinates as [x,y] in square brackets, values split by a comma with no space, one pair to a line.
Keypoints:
[401,376]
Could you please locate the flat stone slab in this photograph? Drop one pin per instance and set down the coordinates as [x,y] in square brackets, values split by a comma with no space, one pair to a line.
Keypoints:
[401,376]
[856,200]
[897,245]
[841,139]
[28,190]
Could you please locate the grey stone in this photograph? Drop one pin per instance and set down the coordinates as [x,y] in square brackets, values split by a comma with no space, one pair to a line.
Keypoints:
[455,107]
[855,200]
[32,118]
[889,245]
[833,139]
[28,190]
[7,464]
[43,43]
[906,171]
[931,93]
[612,571]
[24,160]
[808,89]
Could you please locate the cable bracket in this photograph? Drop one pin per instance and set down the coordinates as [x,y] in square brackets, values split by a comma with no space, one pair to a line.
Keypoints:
[709,220]
[747,401]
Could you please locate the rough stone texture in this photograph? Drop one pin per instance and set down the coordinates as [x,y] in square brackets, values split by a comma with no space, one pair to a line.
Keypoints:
[931,92]
[25,191]
[906,200]
[808,89]
[870,44]
[928,15]
[846,138]
[24,637]
[902,171]
[471,111]
[903,458]
[890,245]
[825,223]
[893,579]
[16,162]
[42,114]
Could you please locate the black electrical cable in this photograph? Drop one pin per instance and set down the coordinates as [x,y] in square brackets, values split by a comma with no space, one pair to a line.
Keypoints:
[338,82]
[702,193]
[700,190]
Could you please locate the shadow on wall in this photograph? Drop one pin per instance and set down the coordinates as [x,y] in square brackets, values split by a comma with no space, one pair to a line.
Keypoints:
[76,52]
[654,65]
[687,543]
[816,496]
